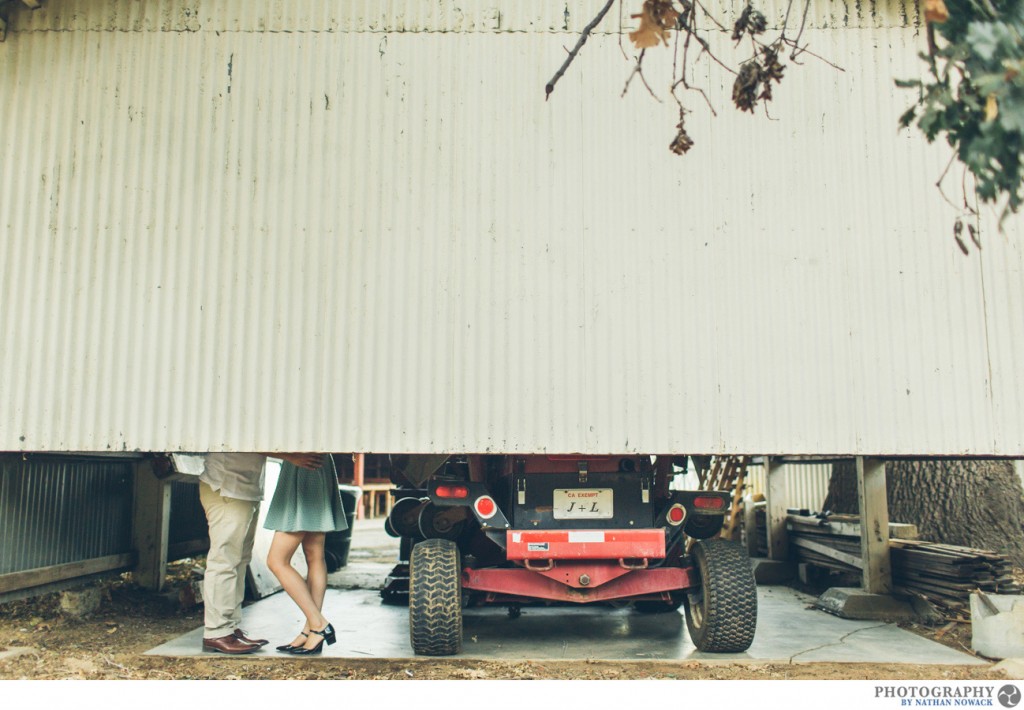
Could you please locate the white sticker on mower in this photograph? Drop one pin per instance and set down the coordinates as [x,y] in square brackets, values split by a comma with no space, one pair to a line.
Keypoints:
[517,537]
[586,536]
[537,547]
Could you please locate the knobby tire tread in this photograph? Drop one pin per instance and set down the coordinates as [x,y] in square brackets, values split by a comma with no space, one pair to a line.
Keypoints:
[730,598]
[435,598]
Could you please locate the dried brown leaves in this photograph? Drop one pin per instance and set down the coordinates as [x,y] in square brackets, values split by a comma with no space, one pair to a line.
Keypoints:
[935,11]
[657,19]
[754,80]
[682,142]
[751,22]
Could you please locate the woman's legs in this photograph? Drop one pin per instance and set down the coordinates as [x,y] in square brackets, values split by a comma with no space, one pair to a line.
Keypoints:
[279,559]
[316,578]
[316,563]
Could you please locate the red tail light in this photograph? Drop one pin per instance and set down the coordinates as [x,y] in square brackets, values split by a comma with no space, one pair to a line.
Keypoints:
[676,514]
[451,491]
[485,507]
[709,503]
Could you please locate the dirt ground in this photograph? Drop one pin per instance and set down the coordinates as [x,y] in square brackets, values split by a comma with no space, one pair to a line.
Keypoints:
[43,643]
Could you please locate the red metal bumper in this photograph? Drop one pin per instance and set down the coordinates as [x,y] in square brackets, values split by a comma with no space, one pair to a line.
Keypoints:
[524,584]
[581,566]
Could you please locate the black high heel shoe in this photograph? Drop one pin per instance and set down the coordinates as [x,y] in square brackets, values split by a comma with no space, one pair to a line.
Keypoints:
[288,648]
[326,634]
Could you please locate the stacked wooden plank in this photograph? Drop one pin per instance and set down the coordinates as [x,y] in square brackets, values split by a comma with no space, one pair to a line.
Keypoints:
[833,541]
[943,575]
[946,575]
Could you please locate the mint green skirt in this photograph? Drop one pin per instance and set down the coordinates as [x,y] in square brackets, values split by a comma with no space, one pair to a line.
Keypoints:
[306,500]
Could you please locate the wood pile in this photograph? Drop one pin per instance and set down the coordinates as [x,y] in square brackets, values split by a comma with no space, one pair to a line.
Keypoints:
[833,541]
[946,575]
[943,575]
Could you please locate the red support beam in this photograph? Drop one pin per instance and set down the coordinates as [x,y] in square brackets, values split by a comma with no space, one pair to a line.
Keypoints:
[358,479]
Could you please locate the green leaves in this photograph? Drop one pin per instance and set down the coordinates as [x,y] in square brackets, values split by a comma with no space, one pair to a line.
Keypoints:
[908,117]
[984,39]
[974,94]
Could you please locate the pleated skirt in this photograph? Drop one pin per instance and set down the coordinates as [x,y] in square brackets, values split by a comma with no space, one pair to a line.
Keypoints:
[306,500]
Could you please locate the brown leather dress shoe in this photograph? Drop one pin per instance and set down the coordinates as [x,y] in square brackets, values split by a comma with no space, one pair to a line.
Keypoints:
[229,644]
[239,634]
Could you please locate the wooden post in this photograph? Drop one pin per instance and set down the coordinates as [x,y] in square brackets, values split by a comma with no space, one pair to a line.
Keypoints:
[750,526]
[358,479]
[150,525]
[874,526]
[358,469]
[775,501]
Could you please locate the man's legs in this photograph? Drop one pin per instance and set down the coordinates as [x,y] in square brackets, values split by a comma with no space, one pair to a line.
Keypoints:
[232,528]
[243,563]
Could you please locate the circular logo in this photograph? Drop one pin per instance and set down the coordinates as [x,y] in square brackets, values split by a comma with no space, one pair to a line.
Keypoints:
[1009,696]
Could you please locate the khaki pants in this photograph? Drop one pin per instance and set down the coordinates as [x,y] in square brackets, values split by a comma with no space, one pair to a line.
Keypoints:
[232,525]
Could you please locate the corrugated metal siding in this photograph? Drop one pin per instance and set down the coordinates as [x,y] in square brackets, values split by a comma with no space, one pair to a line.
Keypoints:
[419,16]
[58,511]
[806,484]
[331,230]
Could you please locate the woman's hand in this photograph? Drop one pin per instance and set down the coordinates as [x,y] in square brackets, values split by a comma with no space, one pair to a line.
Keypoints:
[310,461]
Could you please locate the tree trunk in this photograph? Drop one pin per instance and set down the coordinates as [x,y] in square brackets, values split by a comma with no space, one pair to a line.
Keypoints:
[972,503]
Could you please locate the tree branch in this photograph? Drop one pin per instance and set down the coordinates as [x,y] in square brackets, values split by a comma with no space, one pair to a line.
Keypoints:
[575,50]
[803,24]
[692,88]
[638,69]
[804,50]
[706,48]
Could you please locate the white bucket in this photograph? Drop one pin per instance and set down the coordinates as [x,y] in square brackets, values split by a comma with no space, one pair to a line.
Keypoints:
[998,634]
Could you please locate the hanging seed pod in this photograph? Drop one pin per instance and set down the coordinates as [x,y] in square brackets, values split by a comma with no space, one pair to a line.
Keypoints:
[958,228]
[974,235]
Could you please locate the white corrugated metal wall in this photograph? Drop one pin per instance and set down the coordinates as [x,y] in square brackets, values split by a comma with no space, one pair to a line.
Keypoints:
[280,226]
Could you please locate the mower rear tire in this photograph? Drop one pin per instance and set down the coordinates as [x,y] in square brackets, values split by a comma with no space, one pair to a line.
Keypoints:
[435,598]
[721,613]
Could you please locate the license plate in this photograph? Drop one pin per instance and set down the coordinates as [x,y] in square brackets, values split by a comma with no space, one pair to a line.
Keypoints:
[577,503]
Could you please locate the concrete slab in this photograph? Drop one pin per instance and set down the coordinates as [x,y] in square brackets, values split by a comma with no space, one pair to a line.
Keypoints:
[1012,667]
[788,631]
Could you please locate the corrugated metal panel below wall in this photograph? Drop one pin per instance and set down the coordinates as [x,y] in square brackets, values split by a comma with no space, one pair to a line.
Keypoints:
[54,511]
[806,484]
